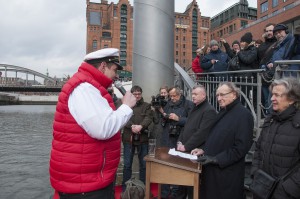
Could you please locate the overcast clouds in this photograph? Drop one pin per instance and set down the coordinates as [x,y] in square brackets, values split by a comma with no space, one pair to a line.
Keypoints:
[51,34]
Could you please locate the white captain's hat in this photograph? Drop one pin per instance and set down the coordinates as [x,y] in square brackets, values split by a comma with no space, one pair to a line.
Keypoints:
[109,55]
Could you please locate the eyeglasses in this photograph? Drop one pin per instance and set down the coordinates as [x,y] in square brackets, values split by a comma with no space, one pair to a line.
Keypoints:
[222,94]
[137,93]
[277,95]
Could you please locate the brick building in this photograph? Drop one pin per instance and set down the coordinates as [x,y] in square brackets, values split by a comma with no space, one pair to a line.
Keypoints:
[232,19]
[111,25]
[269,11]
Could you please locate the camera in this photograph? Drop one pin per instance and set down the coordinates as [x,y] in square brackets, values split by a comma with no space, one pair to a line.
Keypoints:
[158,101]
[174,130]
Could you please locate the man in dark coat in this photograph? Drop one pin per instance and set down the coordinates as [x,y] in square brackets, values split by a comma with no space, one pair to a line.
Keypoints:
[196,130]
[175,115]
[223,155]
[264,53]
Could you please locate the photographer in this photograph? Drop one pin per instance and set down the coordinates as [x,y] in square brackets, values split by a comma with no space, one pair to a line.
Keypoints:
[175,115]
[157,104]
[135,136]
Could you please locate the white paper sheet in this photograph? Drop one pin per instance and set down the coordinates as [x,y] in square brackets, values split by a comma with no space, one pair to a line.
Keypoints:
[183,155]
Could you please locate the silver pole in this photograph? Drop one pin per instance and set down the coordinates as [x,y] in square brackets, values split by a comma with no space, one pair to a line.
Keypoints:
[153,47]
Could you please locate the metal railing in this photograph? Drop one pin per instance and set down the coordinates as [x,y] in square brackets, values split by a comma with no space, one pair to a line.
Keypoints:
[249,82]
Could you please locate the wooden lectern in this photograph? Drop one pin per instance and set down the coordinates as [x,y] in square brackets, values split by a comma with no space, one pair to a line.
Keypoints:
[169,169]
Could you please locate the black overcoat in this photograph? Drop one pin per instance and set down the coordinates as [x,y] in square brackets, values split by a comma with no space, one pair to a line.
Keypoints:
[229,141]
[198,126]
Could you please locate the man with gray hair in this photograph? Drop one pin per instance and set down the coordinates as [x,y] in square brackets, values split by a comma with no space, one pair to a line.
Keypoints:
[196,129]
[175,114]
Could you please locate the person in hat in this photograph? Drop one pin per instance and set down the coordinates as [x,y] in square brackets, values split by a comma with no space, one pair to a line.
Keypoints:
[285,47]
[235,47]
[216,60]
[248,53]
[86,141]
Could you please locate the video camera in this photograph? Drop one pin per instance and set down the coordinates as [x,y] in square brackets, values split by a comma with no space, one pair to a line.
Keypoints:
[158,101]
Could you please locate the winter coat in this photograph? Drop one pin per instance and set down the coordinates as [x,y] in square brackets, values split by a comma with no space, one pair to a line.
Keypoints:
[278,149]
[181,108]
[283,49]
[264,58]
[142,115]
[248,61]
[219,66]
[196,67]
[80,163]
[197,126]
[229,141]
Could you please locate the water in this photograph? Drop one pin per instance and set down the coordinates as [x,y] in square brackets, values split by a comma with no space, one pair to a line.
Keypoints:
[25,143]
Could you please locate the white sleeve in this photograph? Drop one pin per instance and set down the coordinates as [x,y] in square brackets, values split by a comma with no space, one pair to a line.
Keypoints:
[93,113]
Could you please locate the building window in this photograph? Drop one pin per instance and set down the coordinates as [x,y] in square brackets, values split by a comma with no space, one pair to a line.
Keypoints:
[176,45]
[115,12]
[123,28]
[183,38]
[124,9]
[176,38]
[264,7]
[123,20]
[177,61]
[176,53]
[105,46]
[123,36]
[183,45]
[243,23]
[106,34]
[123,45]
[274,3]
[123,62]
[94,44]
[183,54]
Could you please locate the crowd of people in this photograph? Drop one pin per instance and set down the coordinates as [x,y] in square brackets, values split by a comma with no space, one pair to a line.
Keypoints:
[252,54]
[87,125]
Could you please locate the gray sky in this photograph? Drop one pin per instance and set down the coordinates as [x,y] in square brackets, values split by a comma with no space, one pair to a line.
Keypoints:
[51,34]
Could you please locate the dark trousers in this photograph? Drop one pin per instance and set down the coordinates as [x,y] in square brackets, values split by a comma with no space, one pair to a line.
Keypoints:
[105,193]
[128,152]
[185,191]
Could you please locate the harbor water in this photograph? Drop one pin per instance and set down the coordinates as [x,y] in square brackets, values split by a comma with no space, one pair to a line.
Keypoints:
[25,142]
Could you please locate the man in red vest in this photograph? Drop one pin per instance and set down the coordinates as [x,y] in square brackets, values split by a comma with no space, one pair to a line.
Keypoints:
[86,140]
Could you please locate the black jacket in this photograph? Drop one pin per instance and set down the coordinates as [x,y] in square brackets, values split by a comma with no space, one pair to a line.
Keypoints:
[278,149]
[229,141]
[142,115]
[264,58]
[197,126]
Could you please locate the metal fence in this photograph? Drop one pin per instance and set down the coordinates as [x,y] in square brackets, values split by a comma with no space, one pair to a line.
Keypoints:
[249,82]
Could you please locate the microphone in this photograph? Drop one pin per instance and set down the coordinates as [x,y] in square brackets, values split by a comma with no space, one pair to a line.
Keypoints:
[119,86]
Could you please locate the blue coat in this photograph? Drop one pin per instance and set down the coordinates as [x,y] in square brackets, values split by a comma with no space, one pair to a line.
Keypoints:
[219,66]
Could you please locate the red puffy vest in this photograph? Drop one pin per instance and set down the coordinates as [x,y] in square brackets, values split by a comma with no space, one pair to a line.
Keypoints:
[80,163]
